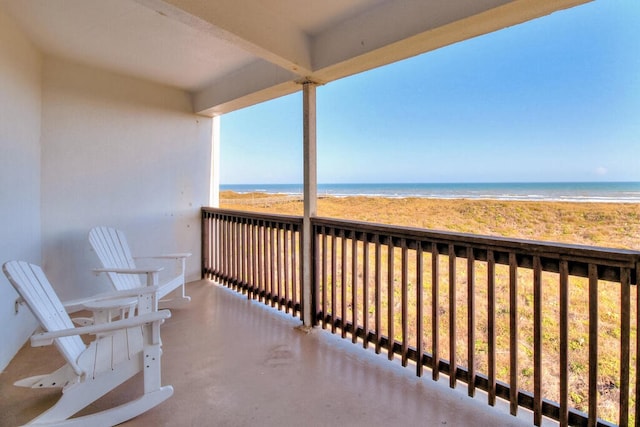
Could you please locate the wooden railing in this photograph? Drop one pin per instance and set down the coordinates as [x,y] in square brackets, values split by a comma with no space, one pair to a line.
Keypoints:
[254,254]
[545,326]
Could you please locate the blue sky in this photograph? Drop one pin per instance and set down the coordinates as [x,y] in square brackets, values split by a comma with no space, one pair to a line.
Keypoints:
[555,99]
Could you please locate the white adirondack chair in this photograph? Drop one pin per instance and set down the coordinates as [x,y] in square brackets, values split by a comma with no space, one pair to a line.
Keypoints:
[122,349]
[113,251]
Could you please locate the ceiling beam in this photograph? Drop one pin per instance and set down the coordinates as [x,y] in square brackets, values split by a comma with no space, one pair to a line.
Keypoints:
[257,82]
[247,24]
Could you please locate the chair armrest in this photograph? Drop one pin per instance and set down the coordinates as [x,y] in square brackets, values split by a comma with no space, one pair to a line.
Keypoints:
[166,256]
[46,338]
[72,306]
[129,270]
[110,304]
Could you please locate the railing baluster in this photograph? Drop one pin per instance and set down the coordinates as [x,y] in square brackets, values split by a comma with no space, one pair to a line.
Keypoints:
[222,248]
[287,265]
[239,252]
[266,290]
[279,267]
[378,291]
[205,245]
[513,333]
[343,284]
[435,311]
[238,256]
[216,244]
[354,287]
[256,259]
[453,327]
[593,345]
[225,252]
[234,254]
[270,262]
[242,256]
[334,297]
[471,322]
[257,253]
[323,267]
[247,254]
[249,247]
[230,252]
[221,223]
[491,326]
[390,299]
[263,243]
[537,341]
[405,301]
[625,346]
[637,379]
[214,251]
[564,343]
[208,245]
[219,248]
[253,262]
[273,285]
[220,245]
[295,271]
[419,309]
[365,290]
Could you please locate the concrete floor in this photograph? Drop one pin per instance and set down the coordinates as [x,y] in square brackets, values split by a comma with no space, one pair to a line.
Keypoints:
[235,362]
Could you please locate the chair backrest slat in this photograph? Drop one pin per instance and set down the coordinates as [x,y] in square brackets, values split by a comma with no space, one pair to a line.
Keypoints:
[31,283]
[113,251]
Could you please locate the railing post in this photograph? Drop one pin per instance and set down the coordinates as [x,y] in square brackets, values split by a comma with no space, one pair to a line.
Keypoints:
[310,200]
[214,192]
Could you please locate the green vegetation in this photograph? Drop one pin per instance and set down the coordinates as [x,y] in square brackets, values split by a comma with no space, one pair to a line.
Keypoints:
[595,224]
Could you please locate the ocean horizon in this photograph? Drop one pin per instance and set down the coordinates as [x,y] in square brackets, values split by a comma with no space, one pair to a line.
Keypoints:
[602,192]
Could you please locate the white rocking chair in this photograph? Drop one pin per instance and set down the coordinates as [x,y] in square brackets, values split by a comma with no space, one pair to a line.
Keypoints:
[113,251]
[122,349]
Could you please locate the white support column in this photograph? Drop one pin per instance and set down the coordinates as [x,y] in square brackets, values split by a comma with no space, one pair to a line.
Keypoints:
[310,196]
[214,192]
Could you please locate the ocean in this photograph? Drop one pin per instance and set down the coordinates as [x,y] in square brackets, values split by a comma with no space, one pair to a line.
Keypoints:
[612,192]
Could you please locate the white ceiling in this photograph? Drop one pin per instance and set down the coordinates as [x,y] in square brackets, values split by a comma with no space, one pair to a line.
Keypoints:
[233,53]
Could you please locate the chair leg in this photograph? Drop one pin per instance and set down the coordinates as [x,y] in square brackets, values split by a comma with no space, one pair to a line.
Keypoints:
[114,416]
[78,396]
[176,299]
[174,303]
[152,371]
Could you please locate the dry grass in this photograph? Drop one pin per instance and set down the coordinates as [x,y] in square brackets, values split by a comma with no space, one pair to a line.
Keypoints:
[596,224]
[615,225]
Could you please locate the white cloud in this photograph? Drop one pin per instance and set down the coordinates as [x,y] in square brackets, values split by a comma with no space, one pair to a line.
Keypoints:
[601,170]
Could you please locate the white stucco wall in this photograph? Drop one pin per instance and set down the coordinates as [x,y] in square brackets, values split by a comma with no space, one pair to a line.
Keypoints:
[20,111]
[121,152]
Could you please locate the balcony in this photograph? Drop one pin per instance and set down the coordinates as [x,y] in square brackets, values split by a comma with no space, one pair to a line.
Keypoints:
[519,318]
